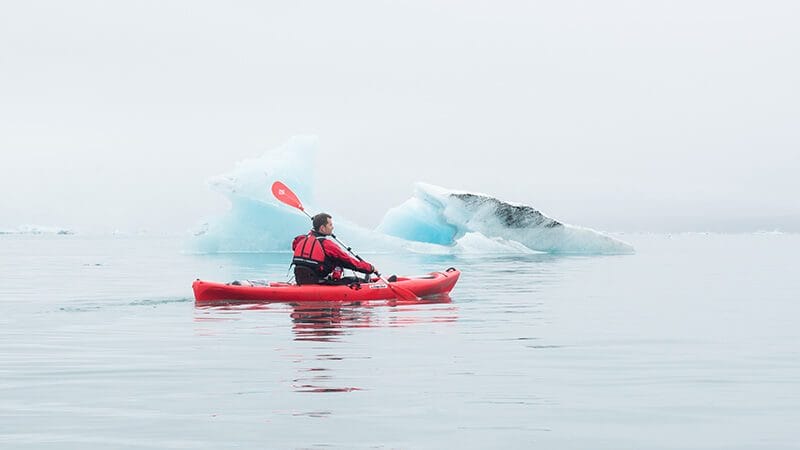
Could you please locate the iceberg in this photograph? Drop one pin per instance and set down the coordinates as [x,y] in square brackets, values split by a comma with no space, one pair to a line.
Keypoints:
[444,216]
[434,220]
[256,221]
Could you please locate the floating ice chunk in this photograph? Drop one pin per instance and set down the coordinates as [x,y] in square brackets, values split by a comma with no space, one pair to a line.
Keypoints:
[38,230]
[442,216]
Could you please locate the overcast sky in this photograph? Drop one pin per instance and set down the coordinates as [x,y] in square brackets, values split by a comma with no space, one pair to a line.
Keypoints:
[619,115]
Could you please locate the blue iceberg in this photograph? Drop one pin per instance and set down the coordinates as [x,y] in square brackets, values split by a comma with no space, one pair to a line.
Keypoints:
[444,216]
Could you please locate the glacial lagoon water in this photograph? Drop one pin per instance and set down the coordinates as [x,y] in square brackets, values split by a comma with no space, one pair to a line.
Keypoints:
[690,343]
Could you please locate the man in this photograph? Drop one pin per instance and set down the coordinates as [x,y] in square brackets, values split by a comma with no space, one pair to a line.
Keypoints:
[316,256]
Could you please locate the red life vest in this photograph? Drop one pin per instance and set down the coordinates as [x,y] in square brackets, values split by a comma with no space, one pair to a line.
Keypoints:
[308,252]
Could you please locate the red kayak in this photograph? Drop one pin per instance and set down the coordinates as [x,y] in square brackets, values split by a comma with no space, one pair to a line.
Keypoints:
[426,287]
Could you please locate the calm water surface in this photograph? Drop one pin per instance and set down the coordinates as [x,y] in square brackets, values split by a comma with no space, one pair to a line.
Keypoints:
[690,343]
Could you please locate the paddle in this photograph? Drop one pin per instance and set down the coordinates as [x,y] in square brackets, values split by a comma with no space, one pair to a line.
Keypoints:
[286,196]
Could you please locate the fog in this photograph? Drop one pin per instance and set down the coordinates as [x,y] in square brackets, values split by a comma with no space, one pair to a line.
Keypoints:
[622,116]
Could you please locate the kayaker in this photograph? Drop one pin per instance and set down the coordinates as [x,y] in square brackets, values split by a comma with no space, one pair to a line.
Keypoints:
[316,255]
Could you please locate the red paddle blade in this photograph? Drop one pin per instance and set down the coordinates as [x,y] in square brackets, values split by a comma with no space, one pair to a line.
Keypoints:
[404,294]
[401,292]
[285,195]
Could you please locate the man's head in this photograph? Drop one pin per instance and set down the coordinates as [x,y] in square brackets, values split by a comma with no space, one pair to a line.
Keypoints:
[323,223]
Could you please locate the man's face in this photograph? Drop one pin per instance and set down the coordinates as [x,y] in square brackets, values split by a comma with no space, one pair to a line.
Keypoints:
[327,229]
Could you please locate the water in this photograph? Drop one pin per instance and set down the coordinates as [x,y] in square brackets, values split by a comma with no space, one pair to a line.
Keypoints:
[690,343]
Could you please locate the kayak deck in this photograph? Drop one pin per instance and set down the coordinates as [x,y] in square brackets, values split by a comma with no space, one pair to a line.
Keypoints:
[425,287]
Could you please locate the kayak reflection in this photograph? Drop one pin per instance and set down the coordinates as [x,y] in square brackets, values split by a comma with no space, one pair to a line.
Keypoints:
[326,321]
[319,329]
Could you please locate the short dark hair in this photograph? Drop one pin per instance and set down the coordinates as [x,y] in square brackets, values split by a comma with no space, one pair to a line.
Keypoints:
[320,220]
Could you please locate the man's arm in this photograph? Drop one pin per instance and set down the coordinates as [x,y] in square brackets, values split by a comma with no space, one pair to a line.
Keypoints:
[341,258]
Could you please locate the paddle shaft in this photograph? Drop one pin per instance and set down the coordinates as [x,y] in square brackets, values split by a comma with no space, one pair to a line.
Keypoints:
[401,292]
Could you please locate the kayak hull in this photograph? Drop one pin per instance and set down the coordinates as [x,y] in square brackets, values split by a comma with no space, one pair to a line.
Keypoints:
[433,285]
